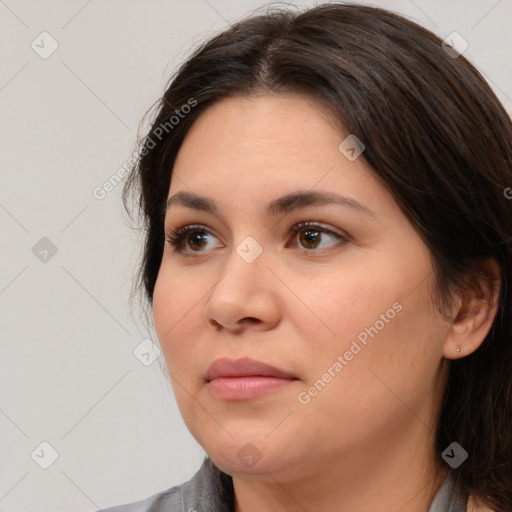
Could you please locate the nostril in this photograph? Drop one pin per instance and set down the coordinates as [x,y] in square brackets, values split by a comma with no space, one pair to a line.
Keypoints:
[215,324]
[251,320]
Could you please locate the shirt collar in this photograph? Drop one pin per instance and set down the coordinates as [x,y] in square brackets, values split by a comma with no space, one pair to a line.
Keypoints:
[211,490]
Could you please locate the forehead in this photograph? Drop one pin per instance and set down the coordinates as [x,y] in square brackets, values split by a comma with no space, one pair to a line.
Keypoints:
[262,132]
[276,125]
[244,148]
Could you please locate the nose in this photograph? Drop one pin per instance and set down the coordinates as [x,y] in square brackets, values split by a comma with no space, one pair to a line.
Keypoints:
[244,297]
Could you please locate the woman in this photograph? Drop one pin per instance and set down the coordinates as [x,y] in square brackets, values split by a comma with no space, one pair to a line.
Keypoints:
[328,261]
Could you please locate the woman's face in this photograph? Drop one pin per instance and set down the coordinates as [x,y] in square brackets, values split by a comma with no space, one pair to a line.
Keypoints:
[342,308]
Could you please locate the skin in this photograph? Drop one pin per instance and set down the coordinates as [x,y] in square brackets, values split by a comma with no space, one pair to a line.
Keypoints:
[366,440]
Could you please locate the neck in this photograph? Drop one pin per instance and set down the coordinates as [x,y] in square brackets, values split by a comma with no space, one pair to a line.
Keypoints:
[400,474]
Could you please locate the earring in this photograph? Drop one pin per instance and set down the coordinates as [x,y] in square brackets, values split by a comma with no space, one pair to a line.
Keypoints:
[459,347]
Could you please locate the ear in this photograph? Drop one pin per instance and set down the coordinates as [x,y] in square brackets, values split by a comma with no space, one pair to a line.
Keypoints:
[474,314]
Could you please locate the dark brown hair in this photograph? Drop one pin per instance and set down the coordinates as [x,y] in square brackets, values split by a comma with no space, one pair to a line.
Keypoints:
[434,132]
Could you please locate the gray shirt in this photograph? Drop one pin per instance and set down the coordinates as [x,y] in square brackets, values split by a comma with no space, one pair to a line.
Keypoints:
[211,490]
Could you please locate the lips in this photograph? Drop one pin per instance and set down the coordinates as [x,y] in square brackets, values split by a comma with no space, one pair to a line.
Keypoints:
[244,367]
[245,379]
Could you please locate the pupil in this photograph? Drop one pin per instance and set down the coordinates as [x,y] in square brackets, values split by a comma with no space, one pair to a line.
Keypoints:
[197,240]
[310,237]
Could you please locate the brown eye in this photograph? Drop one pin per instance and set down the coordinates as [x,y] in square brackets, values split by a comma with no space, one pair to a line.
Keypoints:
[197,240]
[310,238]
[191,239]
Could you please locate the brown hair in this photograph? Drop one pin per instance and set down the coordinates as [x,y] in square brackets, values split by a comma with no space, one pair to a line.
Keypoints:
[434,132]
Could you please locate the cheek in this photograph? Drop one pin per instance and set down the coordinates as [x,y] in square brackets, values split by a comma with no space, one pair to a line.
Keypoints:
[341,304]
[175,318]
[381,321]
[390,344]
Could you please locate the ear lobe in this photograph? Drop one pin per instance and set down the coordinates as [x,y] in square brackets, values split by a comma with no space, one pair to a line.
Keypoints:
[477,306]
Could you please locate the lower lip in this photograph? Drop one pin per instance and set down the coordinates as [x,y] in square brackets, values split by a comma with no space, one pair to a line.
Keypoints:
[245,388]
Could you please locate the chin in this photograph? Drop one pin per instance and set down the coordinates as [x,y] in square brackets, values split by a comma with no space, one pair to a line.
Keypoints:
[258,456]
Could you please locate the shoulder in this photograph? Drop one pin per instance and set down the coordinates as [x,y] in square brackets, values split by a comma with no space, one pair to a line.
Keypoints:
[169,500]
[450,498]
[209,490]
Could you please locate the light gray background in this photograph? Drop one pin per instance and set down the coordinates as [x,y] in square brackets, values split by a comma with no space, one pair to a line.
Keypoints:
[68,373]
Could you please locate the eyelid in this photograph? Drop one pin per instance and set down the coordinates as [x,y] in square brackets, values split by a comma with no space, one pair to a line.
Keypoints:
[319,225]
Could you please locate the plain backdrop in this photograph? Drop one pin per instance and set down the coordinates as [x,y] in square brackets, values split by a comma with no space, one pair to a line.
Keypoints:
[74,396]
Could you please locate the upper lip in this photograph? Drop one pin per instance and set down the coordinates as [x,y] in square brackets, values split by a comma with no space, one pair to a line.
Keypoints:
[244,367]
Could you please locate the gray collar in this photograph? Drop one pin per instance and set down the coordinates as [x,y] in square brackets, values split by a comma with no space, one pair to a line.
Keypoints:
[211,490]
[447,499]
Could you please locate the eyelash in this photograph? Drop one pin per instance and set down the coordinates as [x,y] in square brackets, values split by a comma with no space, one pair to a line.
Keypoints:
[177,237]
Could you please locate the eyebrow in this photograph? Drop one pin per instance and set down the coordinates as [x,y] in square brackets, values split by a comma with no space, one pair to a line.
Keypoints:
[284,204]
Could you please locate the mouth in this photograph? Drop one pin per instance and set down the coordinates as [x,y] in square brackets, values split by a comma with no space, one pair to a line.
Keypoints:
[245,378]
